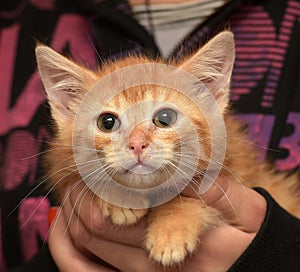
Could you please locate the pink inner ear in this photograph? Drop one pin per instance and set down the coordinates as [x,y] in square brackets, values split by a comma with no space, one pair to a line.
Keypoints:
[221,97]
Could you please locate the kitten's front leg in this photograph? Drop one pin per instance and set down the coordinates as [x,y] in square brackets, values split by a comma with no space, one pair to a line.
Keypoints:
[175,229]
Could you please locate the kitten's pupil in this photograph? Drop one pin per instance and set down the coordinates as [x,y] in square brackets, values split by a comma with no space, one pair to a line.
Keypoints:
[165,118]
[108,122]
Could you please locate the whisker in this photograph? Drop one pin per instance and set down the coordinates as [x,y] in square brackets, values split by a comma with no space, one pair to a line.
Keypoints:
[45,196]
[65,198]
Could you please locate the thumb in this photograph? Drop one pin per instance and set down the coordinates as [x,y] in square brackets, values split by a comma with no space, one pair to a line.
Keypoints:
[240,205]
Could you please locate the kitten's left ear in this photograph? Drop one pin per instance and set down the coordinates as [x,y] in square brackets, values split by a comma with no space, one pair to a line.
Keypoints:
[213,65]
[65,82]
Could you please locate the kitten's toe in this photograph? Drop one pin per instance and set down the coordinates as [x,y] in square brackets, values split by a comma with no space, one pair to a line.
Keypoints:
[170,250]
[121,216]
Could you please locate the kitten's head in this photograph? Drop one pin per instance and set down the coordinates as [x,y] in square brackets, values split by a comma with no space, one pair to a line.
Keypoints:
[136,122]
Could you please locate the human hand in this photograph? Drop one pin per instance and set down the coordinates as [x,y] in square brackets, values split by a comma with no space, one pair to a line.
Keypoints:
[88,233]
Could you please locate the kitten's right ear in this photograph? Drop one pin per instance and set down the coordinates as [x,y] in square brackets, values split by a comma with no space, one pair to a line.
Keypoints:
[213,64]
[65,82]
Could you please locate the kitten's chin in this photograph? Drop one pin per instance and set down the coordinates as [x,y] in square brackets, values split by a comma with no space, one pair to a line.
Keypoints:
[140,177]
[141,169]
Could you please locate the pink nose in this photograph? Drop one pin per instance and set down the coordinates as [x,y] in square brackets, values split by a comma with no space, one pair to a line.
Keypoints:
[138,147]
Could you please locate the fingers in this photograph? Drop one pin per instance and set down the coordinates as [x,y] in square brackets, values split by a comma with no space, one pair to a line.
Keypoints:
[69,258]
[66,256]
[123,247]
[239,204]
[125,258]
[210,256]
[218,250]
[84,217]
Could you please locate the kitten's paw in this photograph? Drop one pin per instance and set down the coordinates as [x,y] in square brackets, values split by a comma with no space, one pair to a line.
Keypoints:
[122,216]
[170,248]
[175,228]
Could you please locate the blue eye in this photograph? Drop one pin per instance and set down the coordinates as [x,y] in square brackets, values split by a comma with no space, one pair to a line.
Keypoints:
[165,118]
[108,122]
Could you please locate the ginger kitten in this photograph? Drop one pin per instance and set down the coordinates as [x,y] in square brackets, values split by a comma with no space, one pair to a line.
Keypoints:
[146,134]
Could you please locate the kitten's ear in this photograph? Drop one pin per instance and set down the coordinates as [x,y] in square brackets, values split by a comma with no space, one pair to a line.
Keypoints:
[213,65]
[65,82]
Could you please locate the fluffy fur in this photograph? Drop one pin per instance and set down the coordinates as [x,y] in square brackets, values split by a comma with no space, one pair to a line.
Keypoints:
[176,226]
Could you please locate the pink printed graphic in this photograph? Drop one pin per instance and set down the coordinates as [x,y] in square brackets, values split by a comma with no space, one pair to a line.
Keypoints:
[259,130]
[10,14]
[43,5]
[33,223]
[292,144]
[30,98]
[21,152]
[258,43]
[77,37]
[21,157]
[33,95]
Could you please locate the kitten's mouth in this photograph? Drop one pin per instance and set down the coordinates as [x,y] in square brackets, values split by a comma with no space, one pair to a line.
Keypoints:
[141,168]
